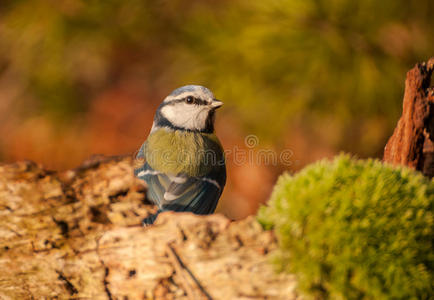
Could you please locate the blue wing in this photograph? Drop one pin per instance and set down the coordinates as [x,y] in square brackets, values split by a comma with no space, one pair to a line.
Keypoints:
[179,192]
[182,193]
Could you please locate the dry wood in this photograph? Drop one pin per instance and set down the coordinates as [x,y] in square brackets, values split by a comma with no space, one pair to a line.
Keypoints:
[77,235]
[412,142]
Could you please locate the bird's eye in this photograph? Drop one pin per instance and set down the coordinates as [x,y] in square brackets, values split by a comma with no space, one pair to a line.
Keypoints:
[189,100]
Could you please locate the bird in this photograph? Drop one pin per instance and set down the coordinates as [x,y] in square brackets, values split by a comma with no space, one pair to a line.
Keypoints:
[182,160]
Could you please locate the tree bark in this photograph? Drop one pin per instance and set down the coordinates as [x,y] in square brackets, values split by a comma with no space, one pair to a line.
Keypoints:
[77,235]
[412,142]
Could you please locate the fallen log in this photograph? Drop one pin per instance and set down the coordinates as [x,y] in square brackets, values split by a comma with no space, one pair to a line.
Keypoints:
[77,235]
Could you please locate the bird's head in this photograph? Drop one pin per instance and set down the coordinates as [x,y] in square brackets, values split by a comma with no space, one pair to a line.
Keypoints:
[191,107]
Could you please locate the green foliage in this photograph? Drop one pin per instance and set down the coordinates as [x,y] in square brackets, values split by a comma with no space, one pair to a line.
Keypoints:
[329,64]
[355,229]
[291,60]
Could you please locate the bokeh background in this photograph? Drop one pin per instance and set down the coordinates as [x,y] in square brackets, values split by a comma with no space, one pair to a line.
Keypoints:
[316,77]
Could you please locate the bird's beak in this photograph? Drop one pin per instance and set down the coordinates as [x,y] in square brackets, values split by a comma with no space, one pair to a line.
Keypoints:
[216,103]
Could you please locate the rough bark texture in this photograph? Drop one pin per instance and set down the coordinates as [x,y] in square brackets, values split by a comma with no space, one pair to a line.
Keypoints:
[77,235]
[412,142]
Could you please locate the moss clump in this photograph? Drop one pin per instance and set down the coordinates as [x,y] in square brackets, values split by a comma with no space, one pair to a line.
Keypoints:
[355,229]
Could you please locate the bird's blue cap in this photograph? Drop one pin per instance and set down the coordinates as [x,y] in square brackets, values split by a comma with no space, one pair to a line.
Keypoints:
[192,88]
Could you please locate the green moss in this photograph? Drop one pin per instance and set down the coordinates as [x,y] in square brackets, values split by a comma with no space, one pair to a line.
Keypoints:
[355,229]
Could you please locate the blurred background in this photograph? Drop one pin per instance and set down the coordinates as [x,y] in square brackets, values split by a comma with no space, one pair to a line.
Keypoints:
[310,77]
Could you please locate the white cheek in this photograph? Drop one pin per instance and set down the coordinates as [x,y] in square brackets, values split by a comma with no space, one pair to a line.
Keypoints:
[201,119]
[185,115]
[169,112]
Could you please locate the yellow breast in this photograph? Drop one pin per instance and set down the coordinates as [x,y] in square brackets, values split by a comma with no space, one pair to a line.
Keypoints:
[178,151]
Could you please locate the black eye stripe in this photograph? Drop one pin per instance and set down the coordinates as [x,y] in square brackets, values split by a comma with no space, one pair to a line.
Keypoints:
[199,101]
[196,101]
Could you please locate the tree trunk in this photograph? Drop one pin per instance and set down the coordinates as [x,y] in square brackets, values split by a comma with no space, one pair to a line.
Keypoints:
[412,142]
[77,234]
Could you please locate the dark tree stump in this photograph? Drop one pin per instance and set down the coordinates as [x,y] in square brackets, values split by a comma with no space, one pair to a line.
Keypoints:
[412,142]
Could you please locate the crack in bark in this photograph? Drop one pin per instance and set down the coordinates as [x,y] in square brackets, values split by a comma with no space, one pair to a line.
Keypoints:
[106,283]
[69,286]
[179,267]
[106,272]
[63,226]
[13,231]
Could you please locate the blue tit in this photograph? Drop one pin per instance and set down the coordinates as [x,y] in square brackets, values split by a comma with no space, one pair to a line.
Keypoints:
[182,160]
